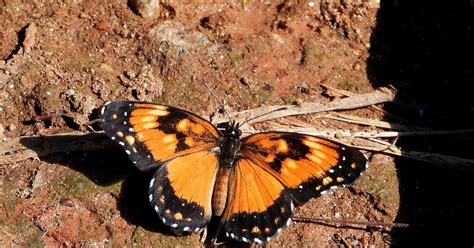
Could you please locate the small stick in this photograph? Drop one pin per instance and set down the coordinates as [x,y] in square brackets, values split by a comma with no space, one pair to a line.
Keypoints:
[365,134]
[371,122]
[433,158]
[348,93]
[381,95]
[337,222]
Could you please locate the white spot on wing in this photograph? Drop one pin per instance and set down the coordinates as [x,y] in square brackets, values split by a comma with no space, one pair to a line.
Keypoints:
[150,197]
[113,137]
[258,241]
[174,225]
[128,152]
[186,229]
[125,113]
[366,161]
[157,209]
[288,222]
[103,108]
[216,150]
[121,143]
[227,234]
[232,235]
[163,219]
[131,130]
[152,182]
[331,170]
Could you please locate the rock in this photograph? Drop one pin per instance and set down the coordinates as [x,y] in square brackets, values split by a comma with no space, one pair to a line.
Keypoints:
[30,37]
[179,39]
[146,8]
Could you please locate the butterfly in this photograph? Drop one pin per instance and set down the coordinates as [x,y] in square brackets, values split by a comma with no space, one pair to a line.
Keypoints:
[252,183]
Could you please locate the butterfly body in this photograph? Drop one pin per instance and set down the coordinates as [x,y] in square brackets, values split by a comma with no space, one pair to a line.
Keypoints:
[252,183]
[230,146]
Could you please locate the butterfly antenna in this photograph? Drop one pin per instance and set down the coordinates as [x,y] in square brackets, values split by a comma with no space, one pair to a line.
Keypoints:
[217,100]
[258,116]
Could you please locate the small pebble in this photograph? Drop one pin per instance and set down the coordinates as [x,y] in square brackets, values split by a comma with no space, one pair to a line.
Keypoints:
[357,67]
[2,132]
[11,127]
[146,8]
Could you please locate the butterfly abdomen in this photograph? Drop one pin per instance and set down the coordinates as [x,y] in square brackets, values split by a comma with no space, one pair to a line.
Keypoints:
[229,150]
[219,198]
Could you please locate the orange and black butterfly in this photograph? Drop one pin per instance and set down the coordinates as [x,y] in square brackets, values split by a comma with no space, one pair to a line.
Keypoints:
[251,183]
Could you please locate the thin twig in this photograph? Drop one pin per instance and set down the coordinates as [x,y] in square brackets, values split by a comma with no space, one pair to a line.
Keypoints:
[365,134]
[371,122]
[348,93]
[338,223]
[376,145]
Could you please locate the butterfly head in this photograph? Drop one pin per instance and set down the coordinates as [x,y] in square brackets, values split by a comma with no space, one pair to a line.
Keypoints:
[233,130]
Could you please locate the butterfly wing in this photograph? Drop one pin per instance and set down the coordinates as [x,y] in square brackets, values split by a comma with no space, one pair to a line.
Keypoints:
[259,205]
[181,191]
[276,169]
[305,164]
[152,134]
[178,143]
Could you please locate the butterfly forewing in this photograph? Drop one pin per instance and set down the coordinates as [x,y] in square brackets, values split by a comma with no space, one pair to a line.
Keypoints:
[152,134]
[305,164]
[180,145]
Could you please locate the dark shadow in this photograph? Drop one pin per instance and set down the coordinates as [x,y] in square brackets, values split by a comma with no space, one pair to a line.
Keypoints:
[426,50]
[105,163]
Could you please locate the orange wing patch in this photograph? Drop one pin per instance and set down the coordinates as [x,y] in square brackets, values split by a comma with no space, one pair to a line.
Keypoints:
[259,206]
[152,134]
[181,191]
[305,164]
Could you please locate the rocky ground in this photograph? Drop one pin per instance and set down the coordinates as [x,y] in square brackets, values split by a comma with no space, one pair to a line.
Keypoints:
[62,60]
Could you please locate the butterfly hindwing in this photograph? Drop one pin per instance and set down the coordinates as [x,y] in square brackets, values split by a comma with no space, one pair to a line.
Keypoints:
[181,191]
[152,134]
[305,164]
[259,206]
